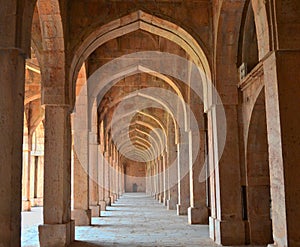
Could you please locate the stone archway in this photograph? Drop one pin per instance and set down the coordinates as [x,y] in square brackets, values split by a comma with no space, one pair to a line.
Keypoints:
[258,176]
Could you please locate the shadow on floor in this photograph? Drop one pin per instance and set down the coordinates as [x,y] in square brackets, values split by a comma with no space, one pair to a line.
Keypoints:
[84,244]
[87,244]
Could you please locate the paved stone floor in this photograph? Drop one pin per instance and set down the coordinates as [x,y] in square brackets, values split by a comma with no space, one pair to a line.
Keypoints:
[134,220]
[139,220]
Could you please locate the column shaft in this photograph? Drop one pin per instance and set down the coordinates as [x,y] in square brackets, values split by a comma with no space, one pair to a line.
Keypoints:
[12,71]
[198,211]
[183,176]
[27,145]
[58,229]
[282,93]
[93,175]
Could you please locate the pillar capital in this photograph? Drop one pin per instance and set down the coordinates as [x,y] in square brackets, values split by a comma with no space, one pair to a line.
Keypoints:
[61,106]
[14,51]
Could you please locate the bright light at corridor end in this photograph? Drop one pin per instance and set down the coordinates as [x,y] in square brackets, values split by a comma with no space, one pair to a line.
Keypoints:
[165,64]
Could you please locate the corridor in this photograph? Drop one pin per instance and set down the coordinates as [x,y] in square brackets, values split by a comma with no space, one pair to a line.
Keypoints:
[135,220]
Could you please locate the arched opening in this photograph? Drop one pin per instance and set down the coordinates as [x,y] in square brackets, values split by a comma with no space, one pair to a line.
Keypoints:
[258,177]
[248,42]
[33,151]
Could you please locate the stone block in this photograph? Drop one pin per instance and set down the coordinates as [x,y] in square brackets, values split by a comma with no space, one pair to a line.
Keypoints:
[102,205]
[171,205]
[198,215]
[57,235]
[82,217]
[182,210]
[95,210]
[230,232]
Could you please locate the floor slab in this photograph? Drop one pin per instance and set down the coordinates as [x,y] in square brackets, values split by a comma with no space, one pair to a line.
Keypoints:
[134,220]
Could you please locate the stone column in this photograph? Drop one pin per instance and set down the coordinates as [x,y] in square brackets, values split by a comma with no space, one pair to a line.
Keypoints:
[123,179]
[226,223]
[183,175]
[101,177]
[117,179]
[173,191]
[152,179]
[149,179]
[27,147]
[120,178]
[198,211]
[107,178]
[112,176]
[156,176]
[12,71]
[81,212]
[93,175]
[172,173]
[282,94]
[58,229]
[161,179]
[165,178]
[116,175]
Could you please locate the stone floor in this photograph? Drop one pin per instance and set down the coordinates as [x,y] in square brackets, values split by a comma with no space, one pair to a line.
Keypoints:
[139,220]
[134,220]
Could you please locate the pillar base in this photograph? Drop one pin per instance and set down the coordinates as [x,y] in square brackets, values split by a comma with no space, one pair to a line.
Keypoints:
[82,217]
[26,205]
[198,215]
[182,210]
[261,231]
[160,198]
[171,205]
[58,235]
[115,197]
[229,232]
[95,210]
[108,201]
[212,228]
[112,199]
[102,205]
[165,201]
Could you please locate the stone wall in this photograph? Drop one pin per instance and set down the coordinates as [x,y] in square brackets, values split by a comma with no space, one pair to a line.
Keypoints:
[135,174]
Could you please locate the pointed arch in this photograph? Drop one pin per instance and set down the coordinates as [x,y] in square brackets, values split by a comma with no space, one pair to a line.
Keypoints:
[138,20]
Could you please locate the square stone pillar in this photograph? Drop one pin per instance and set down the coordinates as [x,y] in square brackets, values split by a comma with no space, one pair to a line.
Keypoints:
[93,175]
[101,186]
[58,229]
[161,179]
[123,179]
[165,178]
[226,223]
[107,179]
[81,212]
[172,172]
[112,178]
[148,184]
[119,179]
[198,211]
[27,145]
[282,94]
[12,71]
[183,175]
[156,178]
[173,190]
